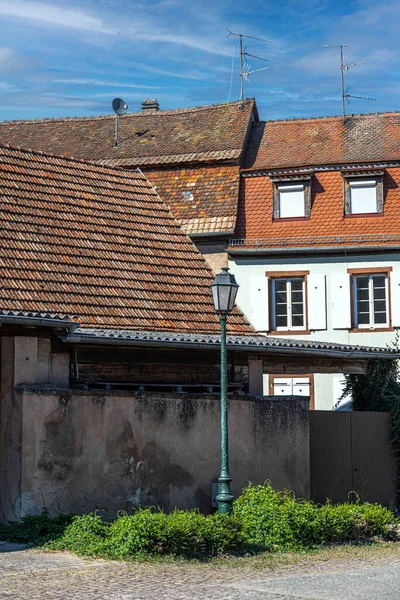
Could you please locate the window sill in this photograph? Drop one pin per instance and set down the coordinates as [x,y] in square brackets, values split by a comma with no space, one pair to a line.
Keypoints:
[291,332]
[372,330]
[285,219]
[363,215]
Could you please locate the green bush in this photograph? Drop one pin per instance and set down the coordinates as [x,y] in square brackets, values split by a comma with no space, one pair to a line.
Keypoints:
[181,533]
[274,520]
[263,519]
[34,530]
[85,535]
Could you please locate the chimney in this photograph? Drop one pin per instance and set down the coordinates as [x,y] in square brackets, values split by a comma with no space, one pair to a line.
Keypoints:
[150,105]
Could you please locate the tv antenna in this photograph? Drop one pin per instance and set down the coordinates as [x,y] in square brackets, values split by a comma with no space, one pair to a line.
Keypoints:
[244,66]
[119,107]
[345,69]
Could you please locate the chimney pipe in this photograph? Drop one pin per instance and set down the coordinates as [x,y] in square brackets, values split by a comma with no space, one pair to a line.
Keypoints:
[150,105]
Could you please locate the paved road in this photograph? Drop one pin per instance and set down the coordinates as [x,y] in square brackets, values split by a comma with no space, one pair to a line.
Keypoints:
[33,575]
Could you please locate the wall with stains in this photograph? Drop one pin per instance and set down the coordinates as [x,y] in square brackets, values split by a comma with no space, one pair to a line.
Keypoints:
[115,450]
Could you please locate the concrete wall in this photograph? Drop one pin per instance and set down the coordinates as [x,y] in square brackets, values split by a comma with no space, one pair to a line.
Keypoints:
[24,360]
[115,450]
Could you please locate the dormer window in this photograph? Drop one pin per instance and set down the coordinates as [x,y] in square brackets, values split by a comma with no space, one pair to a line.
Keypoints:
[291,196]
[291,201]
[363,193]
[363,196]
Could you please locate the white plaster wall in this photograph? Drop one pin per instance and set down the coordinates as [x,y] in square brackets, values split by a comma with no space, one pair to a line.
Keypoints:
[246,268]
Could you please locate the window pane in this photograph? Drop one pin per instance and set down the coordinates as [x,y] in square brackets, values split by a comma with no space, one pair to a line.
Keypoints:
[380,306]
[297,320]
[363,198]
[362,300]
[379,287]
[297,299]
[380,318]
[363,318]
[380,293]
[280,303]
[291,203]
[362,283]
[281,321]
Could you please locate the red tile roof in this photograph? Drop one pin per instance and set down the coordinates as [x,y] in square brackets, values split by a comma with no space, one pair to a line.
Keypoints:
[98,243]
[191,135]
[323,141]
[202,199]
[327,225]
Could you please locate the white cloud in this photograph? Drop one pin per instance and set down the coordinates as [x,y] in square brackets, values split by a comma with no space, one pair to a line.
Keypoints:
[54,15]
[144,28]
[105,83]
[10,62]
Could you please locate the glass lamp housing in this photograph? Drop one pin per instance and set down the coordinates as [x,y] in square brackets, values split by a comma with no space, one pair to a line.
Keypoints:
[224,291]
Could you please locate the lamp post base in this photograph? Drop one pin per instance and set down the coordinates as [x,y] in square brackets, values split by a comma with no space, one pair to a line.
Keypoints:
[225,497]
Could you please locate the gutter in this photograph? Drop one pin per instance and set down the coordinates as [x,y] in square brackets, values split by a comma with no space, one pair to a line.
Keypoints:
[313,250]
[107,341]
[39,322]
[211,233]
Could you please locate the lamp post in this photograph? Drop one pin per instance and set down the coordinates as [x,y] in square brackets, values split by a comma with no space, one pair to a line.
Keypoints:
[224,290]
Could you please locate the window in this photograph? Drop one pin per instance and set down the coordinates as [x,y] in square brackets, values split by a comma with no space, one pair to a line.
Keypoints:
[363,197]
[291,196]
[371,308]
[363,192]
[288,303]
[291,201]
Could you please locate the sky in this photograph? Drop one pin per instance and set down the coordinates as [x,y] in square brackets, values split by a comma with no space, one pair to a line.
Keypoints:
[70,58]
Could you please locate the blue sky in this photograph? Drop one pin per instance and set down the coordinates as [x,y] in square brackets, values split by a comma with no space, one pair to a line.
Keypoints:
[60,58]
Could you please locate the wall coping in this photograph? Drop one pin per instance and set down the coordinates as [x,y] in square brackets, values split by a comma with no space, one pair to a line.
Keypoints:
[47,390]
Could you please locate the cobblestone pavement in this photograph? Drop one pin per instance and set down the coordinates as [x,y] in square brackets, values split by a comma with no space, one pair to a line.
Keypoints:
[34,575]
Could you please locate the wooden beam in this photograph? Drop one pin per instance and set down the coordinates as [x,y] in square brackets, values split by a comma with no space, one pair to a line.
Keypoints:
[281,365]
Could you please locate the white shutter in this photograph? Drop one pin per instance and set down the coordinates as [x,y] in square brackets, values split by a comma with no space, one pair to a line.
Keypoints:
[316,297]
[340,291]
[395,297]
[283,386]
[291,201]
[301,386]
[363,197]
[259,315]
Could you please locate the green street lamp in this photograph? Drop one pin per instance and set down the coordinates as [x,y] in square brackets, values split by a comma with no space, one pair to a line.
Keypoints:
[224,290]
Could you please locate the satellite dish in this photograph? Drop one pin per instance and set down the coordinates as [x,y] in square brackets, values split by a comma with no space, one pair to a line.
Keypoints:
[119,106]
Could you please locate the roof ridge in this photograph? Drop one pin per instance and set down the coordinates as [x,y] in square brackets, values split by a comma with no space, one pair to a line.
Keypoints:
[327,117]
[132,114]
[99,164]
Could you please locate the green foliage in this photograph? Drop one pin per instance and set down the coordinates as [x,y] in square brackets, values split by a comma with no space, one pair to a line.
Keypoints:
[263,520]
[147,532]
[377,390]
[275,520]
[85,535]
[34,530]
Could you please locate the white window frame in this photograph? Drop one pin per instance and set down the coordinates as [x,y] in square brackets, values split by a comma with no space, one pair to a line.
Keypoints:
[292,188]
[371,324]
[290,326]
[363,183]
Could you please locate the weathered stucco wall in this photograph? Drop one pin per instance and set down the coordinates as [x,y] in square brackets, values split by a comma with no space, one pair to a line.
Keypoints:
[116,450]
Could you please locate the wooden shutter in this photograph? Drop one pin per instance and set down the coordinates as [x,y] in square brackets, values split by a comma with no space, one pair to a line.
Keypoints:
[395,297]
[340,291]
[316,297]
[259,310]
